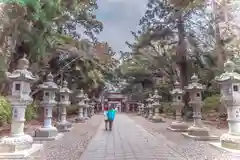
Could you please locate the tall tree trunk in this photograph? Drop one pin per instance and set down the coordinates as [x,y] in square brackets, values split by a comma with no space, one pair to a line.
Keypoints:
[182,58]
[181,52]
[221,57]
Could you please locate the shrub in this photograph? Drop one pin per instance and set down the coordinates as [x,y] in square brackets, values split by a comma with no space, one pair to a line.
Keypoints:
[73,109]
[211,103]
[5,111]
[31,112]
[168,109]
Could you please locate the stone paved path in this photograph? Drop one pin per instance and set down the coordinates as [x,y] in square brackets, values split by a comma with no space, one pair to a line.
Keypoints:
[128,141]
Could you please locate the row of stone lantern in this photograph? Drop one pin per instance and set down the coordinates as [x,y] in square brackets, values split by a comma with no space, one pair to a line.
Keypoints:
[18,144]
[152,108]
[197,130]
[230,92]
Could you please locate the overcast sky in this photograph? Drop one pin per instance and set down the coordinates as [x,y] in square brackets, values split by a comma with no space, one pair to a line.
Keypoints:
[119,17]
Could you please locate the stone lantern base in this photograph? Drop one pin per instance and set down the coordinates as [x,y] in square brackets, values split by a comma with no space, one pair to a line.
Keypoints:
[64,126]
[229,143]
[146,115]
[47,134]
[157,119]
[178,127]
[80,120]
[18,147]
[199,133]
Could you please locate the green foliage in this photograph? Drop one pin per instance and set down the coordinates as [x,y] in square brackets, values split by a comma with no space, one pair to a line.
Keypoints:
[5,111]
[211,103]
[31,112]
[73,109]
[168,109]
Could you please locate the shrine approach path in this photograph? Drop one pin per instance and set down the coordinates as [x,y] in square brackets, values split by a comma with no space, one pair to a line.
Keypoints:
[128,141]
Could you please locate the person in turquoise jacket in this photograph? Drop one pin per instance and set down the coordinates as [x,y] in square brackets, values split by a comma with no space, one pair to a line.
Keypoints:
[111,116]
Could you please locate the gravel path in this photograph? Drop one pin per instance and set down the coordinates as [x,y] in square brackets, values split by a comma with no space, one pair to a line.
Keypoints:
[192,150]
[72,144]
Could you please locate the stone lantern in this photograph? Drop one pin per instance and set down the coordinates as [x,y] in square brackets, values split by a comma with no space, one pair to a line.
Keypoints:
[18,144]
[80,97]
[177,94]
[197,130]
[156,105]
[64,92]
[230,92]
[92,107]
[151,109]
[147,111]
[48,131]
[142,109]
[86,108]
[139,108]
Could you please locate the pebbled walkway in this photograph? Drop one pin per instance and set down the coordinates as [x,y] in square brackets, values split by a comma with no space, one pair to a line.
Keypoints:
[128,141]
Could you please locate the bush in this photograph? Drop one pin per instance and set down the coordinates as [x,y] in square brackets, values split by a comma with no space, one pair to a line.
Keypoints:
[211,103]
[168,109]
[31,112]
[72,110]
[5,111]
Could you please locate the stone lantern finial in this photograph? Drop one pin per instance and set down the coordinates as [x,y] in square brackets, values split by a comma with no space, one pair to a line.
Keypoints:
[50,77]
[23,63]
[194,78]
[229,66]
[177,84]
[65,84]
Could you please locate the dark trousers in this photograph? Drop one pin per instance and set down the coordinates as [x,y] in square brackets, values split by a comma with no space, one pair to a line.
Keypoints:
[110,122]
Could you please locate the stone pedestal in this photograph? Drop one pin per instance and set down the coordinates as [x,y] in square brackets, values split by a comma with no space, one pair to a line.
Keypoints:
[80,117]
[85,113]
[146,113]
[64,125]
[139,109]
[18,145]
[150,116]
[92,111]
[47,132]
[197,131]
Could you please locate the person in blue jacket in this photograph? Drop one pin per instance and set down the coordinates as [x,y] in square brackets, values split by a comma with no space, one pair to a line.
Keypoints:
[111,116]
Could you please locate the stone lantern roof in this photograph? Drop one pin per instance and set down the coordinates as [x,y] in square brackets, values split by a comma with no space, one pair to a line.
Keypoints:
[86,98]
[229,73]
[194,85]
[177,90]
[65,88]
[49,84]
[156,96]
[149,99]
[21,73]
[80,95]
